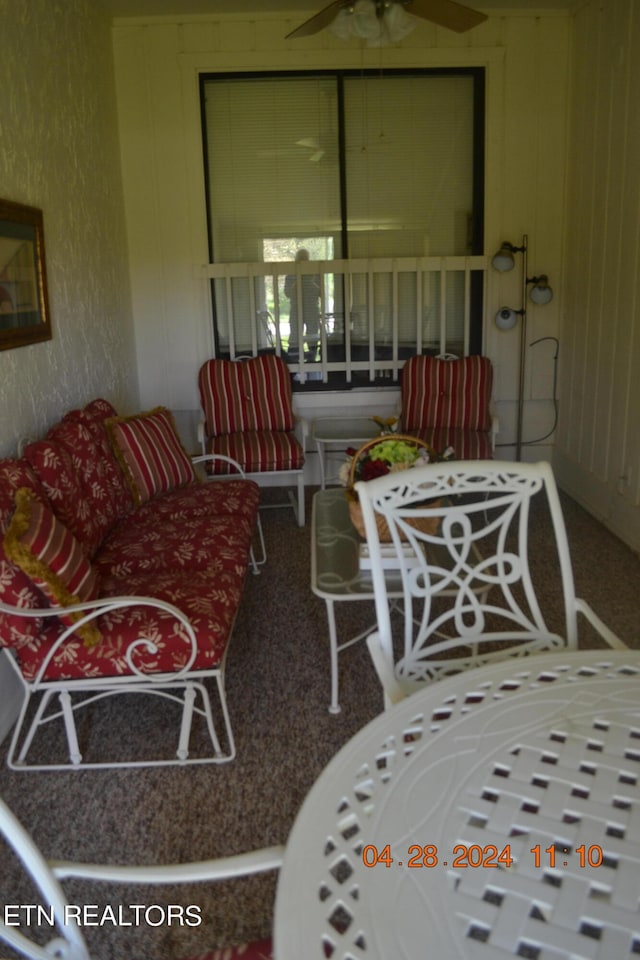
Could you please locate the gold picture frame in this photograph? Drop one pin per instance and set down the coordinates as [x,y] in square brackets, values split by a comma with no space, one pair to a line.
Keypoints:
[24,306]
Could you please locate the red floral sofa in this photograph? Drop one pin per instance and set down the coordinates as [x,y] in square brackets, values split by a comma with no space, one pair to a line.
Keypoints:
[119,570]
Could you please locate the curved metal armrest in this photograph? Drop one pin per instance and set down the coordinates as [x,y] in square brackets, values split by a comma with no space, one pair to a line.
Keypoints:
[239,865]
[93,609]
[210,457]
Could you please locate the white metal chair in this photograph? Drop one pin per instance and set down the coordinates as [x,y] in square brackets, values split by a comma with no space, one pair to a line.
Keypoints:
[58,918]
[470,593]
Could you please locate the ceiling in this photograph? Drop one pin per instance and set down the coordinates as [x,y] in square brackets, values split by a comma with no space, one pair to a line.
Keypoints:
[146,8]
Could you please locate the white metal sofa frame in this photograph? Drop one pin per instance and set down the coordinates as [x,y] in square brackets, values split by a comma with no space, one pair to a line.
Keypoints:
[182,687]
[474,543]
[68,942]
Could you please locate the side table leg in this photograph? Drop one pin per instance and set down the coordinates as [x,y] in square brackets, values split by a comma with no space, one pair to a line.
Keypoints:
[333,654]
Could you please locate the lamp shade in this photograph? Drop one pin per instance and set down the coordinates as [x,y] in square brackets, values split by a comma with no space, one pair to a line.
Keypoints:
[506,318]
[541,292]
[503,259]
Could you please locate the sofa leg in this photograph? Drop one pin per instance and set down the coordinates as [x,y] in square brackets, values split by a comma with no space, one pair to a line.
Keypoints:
[35,723]
[185,727]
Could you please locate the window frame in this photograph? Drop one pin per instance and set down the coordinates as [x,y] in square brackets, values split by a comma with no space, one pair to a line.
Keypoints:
[476,231]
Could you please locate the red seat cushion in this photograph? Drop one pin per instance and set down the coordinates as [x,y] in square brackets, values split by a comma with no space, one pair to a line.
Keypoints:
[246,395]
[446,393]
[257,451]
[209,599]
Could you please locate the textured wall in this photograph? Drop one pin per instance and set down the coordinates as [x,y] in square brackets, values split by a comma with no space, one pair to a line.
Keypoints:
[59,151]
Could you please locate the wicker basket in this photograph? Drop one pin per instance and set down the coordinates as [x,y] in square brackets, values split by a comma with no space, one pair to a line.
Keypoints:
[425,524]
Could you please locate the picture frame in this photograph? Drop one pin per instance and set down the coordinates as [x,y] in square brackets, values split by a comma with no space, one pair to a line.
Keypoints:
[24,305]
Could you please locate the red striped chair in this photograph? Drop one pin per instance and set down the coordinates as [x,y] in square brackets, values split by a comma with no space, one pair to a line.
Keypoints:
[447,403]
[248,416]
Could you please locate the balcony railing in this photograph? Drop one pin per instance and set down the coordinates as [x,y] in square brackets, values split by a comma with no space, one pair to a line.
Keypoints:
[369,317]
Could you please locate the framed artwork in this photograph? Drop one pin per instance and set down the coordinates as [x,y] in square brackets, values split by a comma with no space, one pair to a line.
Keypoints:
[24,307]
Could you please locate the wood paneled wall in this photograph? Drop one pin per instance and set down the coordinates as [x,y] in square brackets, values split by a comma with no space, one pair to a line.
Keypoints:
[597,455]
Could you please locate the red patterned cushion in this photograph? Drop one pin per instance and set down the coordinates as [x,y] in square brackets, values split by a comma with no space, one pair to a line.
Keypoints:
[446,393]
[70,501]
[149,449]
[93,417]
[257,451]
[16,588]
[246,395]
[209,598]
[49,553]
[239,497]
[258,950]
[197,543]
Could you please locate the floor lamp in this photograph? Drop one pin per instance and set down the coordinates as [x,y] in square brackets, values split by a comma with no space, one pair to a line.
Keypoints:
[507,318]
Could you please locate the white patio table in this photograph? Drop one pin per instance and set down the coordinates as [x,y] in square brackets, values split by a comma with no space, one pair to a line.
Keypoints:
[495,814]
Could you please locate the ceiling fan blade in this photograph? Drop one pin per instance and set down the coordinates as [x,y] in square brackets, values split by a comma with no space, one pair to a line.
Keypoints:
[317,22]
[446,13]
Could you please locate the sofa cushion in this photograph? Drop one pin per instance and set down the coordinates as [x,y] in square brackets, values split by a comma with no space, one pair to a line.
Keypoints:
[208,598]
[197,543]
[16,588]
[213,498]
[69,499]
[257,451]
[239,395]
[49,553]
[149,449]
[93,418]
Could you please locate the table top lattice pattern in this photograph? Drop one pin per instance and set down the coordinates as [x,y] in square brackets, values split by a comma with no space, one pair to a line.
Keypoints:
[542,754]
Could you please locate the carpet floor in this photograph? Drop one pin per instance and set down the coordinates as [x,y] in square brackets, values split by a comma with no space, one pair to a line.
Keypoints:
[278,689]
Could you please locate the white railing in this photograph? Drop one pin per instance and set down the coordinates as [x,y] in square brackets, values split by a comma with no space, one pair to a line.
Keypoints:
[393,307]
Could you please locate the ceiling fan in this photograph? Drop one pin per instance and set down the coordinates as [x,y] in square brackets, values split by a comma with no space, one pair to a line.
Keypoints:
[444,13]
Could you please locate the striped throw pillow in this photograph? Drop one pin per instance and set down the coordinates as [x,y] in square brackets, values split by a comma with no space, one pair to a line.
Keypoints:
[150,452]
[50,555]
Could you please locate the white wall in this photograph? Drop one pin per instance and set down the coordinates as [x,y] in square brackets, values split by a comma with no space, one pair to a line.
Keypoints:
[59,152]
[598,454]
[157,65]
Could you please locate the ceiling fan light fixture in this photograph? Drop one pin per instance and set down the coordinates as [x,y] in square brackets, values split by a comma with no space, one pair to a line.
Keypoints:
[359,19]
[376,22]
[386,21]
[397,22]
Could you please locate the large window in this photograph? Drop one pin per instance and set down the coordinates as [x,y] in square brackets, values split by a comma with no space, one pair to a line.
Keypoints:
[331,167]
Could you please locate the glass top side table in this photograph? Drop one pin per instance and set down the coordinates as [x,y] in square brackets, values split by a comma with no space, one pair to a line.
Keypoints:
[336,574]
[338,433]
